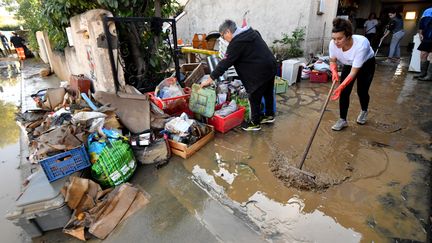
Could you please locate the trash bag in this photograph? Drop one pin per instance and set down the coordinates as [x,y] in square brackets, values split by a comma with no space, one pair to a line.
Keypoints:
[158,153]
[112,158]
[169,88]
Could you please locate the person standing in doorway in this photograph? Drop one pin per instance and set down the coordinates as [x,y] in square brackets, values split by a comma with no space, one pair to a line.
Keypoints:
[18,43]
[425,47]
[358,59]
[256,67]
[5,43]
[370,27]
[396,27]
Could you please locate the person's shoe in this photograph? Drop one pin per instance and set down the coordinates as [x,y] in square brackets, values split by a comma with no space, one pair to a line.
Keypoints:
[362,117]
[267,119]
[395,60]
[339,125]
[388,61]
[250,126]
[428,76]
[423,70]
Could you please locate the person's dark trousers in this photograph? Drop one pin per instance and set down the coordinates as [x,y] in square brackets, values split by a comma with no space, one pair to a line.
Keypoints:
[371,38]
[266,91]
[364,80]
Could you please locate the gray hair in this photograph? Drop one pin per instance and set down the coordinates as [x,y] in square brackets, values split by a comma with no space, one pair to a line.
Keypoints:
[227,25]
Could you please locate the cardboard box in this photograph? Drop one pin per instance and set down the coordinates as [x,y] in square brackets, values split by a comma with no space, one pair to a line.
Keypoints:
[185,151]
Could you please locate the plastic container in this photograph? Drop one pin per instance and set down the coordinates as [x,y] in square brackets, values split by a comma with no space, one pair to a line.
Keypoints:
[318,77]
[172,106]
[202,101]
[290,69]
[41,207]
[66,163]
[224,124]
[280,85]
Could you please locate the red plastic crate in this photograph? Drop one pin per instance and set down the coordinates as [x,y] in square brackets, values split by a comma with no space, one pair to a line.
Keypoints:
[224,124]
[173,106]
[318,77]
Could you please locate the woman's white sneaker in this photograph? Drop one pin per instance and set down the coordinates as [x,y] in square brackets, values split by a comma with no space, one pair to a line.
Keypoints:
[362,117]
[340,124]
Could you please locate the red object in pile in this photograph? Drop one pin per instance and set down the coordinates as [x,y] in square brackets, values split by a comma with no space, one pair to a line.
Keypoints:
[80,83]
[173,106]
[318,77]
[224,124]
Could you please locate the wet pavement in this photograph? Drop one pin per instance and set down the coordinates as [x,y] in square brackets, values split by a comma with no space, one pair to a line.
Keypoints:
[10,176]
[380,172]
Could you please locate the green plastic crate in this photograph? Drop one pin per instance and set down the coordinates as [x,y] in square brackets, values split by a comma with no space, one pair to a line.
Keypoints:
[280,85]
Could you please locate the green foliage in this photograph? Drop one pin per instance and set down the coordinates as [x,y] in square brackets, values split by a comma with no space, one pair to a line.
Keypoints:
[53,16]
[289,45]
[9,27]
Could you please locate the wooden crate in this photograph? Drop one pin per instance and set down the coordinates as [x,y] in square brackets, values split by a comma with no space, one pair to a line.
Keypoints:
[185,151]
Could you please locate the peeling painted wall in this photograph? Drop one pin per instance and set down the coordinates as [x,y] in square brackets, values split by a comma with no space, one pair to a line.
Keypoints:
[84,57]
[271,18]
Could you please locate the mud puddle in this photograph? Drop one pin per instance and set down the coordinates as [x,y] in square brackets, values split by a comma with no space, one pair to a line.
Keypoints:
[375,179]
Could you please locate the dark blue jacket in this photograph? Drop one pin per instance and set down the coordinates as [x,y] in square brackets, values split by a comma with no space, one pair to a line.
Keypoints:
[426,27]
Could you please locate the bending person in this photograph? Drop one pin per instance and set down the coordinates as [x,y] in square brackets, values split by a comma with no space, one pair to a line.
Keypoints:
[357,57]
[256,67]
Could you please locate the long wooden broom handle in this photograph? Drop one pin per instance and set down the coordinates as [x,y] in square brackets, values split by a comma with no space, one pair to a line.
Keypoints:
[305,153]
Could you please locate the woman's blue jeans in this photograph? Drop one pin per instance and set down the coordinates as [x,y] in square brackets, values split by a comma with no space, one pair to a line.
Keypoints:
[395,44]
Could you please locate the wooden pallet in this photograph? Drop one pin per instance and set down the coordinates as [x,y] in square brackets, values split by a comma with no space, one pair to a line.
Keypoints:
[182,150]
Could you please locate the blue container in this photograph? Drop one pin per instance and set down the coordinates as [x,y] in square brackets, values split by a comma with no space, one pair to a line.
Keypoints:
[263,109]
[66,163]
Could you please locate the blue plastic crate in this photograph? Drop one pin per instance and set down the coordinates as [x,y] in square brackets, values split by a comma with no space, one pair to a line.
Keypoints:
[66,163]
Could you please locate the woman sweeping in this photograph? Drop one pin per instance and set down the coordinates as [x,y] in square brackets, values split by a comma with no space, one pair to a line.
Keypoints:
[357,57]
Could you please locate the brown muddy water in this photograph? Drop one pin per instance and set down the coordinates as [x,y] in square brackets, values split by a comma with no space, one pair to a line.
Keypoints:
[379,172]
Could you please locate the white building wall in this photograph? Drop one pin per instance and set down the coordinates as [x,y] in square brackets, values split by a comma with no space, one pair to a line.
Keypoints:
[319,27]
[271,18]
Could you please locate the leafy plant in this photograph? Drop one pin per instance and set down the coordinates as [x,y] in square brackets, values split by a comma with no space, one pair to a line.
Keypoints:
[290,45]
[9,27]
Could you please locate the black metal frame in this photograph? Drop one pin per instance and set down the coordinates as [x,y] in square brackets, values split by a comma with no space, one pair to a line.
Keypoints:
[111,45]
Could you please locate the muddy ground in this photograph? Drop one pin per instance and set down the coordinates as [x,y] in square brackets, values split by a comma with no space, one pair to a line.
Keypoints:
[374,180]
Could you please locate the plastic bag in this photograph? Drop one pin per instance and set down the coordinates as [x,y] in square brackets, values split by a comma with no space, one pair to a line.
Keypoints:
[112,158]
[169,88]
[202,100]
[179,125]
[227,109]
